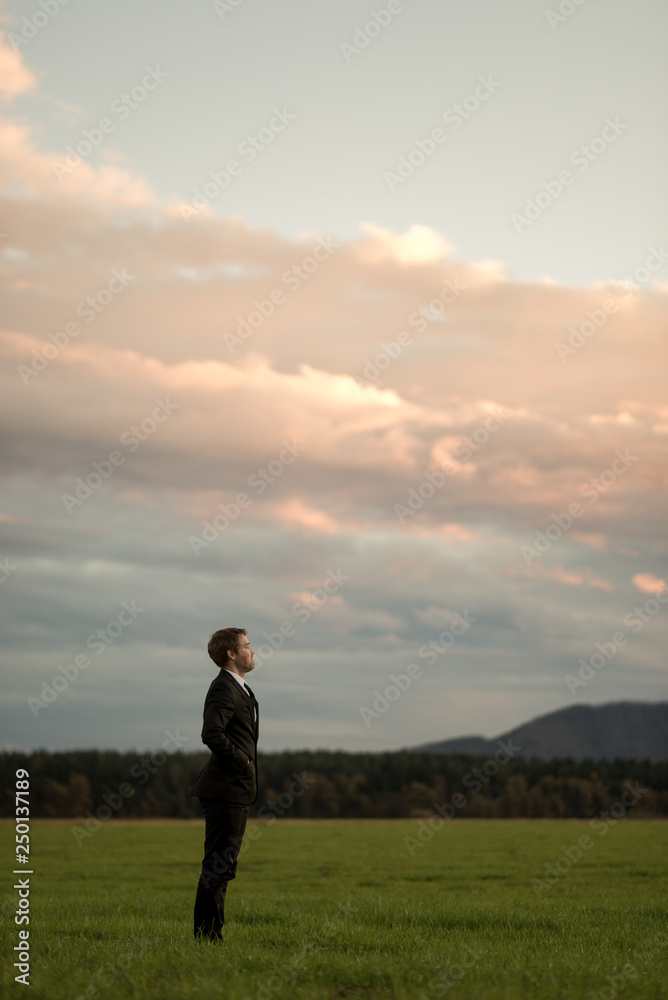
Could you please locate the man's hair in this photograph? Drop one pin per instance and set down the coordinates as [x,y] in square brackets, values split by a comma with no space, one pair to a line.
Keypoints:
[221,641]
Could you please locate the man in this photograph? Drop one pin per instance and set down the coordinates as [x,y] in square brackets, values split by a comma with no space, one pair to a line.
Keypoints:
[227,785]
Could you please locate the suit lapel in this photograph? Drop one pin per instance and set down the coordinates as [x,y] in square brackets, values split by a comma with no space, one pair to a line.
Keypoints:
[243,688]
[250,700]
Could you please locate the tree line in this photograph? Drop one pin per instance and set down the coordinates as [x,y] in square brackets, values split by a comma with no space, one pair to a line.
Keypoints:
[323,784]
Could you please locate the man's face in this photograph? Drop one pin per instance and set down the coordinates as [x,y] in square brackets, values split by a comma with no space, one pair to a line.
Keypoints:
[243,659]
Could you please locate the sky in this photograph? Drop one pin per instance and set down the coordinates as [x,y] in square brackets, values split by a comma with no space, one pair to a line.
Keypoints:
[344,323]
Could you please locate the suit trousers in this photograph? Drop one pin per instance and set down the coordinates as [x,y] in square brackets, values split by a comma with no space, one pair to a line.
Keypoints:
[225,823]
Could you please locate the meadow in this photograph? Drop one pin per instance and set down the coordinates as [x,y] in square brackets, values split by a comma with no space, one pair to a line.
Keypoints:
[328,909]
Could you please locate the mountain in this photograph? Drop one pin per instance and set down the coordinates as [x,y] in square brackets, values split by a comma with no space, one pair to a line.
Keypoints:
[631,729]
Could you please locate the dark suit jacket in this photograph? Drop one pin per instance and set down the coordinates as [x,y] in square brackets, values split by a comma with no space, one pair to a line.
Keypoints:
[231,726]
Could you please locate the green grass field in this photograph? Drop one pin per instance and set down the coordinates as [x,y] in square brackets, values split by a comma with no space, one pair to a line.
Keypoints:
[341,909]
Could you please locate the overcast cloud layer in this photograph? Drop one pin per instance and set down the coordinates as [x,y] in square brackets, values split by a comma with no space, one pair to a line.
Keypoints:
[355,447]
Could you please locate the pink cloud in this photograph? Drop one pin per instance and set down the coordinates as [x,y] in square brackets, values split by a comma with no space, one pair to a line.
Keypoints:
[10,519]
[558,574]
[648,583]
[296,513]
[32,172]
[293,377]
[15,78]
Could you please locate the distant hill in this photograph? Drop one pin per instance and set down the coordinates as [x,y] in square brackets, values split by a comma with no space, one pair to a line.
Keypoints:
[632,729]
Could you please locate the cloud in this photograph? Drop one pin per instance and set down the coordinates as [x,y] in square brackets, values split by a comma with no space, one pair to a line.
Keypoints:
[648,583]
[28,172]
[419,245]
[15,78]
[381,361]
[568,577]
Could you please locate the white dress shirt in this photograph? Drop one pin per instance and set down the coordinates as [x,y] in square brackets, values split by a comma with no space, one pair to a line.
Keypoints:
[241,681]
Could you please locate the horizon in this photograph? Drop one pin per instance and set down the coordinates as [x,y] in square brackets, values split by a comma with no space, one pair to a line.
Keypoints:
[300,749]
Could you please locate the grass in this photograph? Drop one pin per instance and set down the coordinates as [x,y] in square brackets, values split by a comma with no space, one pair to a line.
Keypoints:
[341,909]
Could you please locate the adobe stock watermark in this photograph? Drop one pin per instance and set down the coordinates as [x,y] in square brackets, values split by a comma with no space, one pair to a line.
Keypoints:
[282,977]
[564,10]
[7,567]
[99,642]
[452,973]
[122,107]
[429,651]
[275,808]
[473,782]
[469,444]
[223,7]
[454,116]
[635,620]
[132,438]
[365,33]
[571,854]
[112,802]
[249,149]
[417,497]
[88,309]
[293,278]
[463,451]
[595,319]
[258,481]
[31,26]
[629,972]
[582,158]
[107,975]
[419,319]
[302,611]
[347,908]
[592,490]
[269,812]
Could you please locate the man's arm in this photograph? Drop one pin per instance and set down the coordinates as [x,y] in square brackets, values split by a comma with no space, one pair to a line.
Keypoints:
[217,714]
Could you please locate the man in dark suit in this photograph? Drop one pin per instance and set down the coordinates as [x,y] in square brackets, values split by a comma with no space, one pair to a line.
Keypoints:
[227,785]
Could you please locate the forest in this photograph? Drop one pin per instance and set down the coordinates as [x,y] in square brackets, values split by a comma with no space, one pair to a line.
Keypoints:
[323,784]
